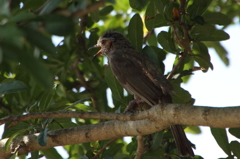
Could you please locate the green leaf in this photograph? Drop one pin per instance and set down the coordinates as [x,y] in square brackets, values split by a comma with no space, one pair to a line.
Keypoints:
[235,147]
[138,4]
[208,32]
[95,15]
[201,55]
[157,140]
[180,96]
[35,155]
[235,132]
[135,32]
[12,87]
[149,52]
[113,149]
[38,39]
[23,16]
[220,50]
[220,136]
[165,41]
[50,6]
[42,137]
[84,107]
[160,5]
[57,24]
[152,19]
[198,7]
[51,153]
[217,18]
[193,130]
[153,154]
[114,85]
[37,69]
[106,10]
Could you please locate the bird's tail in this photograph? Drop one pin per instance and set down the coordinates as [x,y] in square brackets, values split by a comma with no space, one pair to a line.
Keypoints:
[182,143]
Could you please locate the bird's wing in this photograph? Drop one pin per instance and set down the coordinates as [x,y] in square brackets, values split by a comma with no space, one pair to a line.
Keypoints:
[135,77]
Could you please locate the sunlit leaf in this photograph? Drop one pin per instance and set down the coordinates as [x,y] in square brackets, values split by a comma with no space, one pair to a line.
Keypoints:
[220,136]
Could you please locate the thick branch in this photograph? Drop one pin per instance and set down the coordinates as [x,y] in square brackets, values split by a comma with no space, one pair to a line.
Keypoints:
[161,118]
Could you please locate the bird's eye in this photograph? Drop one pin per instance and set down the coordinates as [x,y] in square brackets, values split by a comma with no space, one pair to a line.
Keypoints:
[104,41]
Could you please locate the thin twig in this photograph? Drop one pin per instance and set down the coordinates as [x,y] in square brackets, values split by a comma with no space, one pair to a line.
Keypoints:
[70,114]
[140,148]
[186,43]
[170,75]
[96,156]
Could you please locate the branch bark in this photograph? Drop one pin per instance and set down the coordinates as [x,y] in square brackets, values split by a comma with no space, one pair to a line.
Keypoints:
[158,118]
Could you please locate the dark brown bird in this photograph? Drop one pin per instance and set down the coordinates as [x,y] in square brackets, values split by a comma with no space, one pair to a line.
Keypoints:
[141,77]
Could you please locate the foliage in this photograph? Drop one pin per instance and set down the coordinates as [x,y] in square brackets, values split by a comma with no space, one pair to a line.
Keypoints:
[38,76]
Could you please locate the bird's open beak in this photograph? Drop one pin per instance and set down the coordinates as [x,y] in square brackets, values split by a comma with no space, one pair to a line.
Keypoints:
[98,53]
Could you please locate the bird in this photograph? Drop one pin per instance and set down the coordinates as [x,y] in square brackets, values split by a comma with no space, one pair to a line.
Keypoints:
[140,77]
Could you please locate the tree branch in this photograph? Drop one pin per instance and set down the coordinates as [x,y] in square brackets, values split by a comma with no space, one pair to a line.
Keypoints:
[140,148]
[162,116]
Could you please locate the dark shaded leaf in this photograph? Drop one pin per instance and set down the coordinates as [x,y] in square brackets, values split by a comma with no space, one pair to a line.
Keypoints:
[152,19]
[201,55]
[57,24]
[138,4]
[165,41]
[235,132]
[51,153]
[50,6]
[38,39]
[106,10]
[157,140]
[113,150]
[42,137]
[149,52]
[135,32]
[198,7]
[12,87]
[34,155]
[235,147]
[23,16]
[154,154]
[95,15]
[220,136]
[37,69]
[160,5]
[114,85]
[180,96]
[216,18]
[208,32]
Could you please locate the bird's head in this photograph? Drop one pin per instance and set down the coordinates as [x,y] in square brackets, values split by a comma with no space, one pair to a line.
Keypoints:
[109,41]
